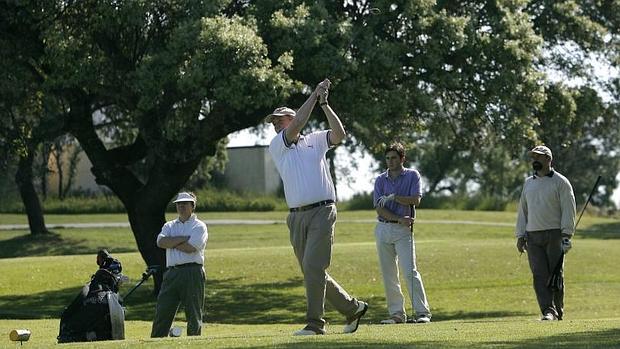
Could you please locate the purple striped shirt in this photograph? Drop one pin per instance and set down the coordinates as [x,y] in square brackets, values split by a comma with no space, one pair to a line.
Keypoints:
[406,184]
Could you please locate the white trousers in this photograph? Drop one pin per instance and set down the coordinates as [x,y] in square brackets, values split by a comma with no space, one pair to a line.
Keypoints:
[396,247]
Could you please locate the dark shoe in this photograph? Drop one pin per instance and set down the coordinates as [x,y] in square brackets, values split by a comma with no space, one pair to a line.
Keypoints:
[393,320]
[548,317]
[309,331]
[352,325]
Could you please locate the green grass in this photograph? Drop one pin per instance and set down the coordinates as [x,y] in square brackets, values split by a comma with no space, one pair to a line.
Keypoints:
[423,214]
[478,286]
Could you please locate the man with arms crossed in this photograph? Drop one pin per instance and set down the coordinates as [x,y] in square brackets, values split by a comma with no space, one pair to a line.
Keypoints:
[396,190]
[545,226]
[310,195]
[184,239]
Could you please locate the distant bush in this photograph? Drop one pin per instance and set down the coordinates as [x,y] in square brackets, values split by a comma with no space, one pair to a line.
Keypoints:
[208,200]
[360,201]
[71,205]
[222,200]
[478,202]
[363,201]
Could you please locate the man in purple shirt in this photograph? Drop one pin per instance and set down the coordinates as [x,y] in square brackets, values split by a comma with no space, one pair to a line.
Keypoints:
[397,192]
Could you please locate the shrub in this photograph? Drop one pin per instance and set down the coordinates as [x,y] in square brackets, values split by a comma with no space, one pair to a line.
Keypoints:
[208,200]
[360,201]
[222,200]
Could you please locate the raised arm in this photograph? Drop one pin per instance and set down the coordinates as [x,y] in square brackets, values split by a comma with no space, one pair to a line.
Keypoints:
[337,133]
[303,114]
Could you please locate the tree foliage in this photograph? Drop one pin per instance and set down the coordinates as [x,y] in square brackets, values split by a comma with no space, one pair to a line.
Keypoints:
[150,88]
[464,84]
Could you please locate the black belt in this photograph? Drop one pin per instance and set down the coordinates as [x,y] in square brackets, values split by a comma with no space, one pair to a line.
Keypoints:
[311,206]
[545,231]
[386,221]
[184,265]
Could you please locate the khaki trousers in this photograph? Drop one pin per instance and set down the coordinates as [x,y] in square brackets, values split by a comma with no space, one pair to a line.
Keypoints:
[396,246]
[312,235]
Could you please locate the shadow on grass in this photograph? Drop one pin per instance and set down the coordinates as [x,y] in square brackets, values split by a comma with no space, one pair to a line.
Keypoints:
[601,231]
[53,244]
[37,245]
[260,303]
[475,315]
[227,301]
[595,339]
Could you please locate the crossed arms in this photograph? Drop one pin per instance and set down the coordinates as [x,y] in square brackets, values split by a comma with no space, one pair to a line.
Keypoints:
[403,200]
[178,242]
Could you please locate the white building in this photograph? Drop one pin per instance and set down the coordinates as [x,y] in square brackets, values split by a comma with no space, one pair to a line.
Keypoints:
[251,169]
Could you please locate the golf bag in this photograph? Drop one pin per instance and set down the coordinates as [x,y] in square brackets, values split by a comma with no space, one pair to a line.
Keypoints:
[96,313]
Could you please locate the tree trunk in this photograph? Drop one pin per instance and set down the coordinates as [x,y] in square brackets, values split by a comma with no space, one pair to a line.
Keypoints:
[29,196]
[146,193]
[146,223]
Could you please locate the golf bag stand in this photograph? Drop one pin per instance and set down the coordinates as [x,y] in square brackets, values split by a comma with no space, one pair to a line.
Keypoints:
[96,312]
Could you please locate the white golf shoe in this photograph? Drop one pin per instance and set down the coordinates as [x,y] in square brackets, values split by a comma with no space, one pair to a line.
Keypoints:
[423,319]
[353,323]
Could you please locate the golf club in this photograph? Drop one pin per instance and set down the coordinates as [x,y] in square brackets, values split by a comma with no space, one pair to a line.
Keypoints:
[412,214]
[150,270]
[556,280]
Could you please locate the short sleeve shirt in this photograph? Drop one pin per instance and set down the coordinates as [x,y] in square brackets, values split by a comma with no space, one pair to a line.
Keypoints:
[406,184]
[198,235]
[303,168]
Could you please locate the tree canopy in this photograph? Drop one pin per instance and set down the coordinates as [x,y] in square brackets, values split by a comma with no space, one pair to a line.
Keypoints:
[150,88]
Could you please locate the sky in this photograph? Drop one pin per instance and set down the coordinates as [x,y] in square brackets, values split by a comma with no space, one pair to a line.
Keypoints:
[367,167]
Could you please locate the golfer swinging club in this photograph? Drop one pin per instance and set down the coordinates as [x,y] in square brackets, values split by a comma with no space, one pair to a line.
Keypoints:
[395,191]
[310,195]
[545,225]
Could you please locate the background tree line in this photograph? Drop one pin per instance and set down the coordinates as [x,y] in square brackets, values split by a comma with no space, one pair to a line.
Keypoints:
[150,89]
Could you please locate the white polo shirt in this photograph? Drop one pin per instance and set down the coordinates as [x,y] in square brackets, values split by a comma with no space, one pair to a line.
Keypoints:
[303,168]
[198,235]
[546,202]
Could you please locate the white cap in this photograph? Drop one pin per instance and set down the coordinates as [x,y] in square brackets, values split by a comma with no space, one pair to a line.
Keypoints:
[281,111]
[541,149]
[185,197]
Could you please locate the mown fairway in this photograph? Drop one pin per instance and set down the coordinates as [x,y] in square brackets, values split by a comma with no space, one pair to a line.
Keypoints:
[478,285]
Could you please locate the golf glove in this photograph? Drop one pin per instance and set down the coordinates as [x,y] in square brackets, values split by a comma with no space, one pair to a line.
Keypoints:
[521,244]
[385,199]
[566,244]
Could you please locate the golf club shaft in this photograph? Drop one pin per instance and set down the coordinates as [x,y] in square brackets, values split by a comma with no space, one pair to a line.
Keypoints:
[412,212]
[144,278]
[588,200]
[412,215]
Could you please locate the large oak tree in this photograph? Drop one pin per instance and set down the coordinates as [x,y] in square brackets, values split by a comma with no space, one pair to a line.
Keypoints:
[149,88]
